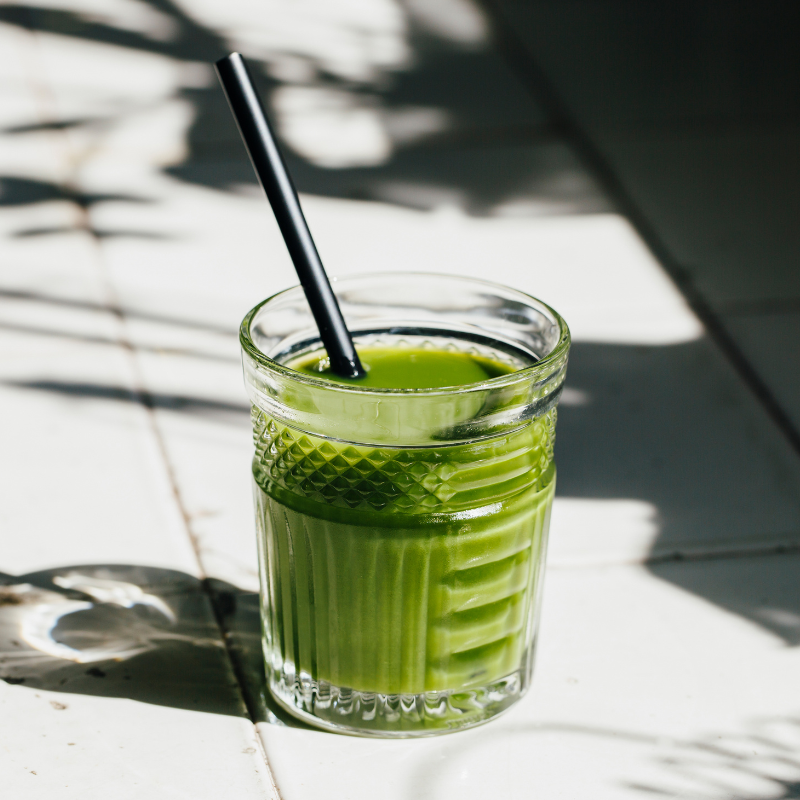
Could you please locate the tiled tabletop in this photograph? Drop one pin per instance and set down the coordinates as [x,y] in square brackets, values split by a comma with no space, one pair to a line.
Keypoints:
[135,239]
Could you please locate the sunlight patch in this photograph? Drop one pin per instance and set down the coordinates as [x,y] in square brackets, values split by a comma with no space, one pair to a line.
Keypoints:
[594,531]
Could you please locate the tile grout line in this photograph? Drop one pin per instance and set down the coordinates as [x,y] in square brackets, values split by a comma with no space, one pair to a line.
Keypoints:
[677,556]
[144,398]
[533,76]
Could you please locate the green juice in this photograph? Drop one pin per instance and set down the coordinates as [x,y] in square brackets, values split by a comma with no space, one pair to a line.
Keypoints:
[410,368]
[393,570]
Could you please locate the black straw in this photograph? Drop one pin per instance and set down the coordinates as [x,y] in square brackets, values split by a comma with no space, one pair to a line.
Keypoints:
[271,170]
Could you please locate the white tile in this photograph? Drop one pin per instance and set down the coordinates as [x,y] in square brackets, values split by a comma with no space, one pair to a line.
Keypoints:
[592,268]
[663,450]
[211,456]
[85,476]
[203,414]
[32,168]
[116,676]
[60,266]
[223,253]
[19,48]
[89,77]
[771,343]
[75,746]
[641,688]
[654,431]
[19,109]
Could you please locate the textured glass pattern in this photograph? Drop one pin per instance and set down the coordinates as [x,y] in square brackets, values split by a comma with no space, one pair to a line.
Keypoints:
[442,603]
[394,480]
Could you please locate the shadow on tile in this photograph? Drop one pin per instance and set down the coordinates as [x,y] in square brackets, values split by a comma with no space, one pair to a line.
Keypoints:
[670,428]
[694,108]
[141,633]
[762,753]
[108,341]
[240,615]
[172,402]
[15,191]
[674,428]
[441,118]
[77,304]
[761,588]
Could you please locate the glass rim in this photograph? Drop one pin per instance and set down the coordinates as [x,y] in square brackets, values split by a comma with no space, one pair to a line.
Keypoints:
[261,358]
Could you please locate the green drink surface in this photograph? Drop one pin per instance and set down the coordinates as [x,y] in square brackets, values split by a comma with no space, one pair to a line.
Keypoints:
[390,367]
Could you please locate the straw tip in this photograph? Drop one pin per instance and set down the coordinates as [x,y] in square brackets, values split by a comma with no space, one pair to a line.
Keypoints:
[234,56]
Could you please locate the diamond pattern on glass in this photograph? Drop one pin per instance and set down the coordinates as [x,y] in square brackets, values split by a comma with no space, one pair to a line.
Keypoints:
[424,480]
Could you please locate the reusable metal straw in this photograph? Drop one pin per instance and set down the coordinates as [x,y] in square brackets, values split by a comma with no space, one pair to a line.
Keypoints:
[269,165]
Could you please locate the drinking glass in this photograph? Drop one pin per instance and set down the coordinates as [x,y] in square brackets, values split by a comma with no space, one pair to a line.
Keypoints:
[402,532]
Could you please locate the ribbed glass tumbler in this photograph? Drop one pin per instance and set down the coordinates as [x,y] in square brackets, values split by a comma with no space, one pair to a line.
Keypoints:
[402,532]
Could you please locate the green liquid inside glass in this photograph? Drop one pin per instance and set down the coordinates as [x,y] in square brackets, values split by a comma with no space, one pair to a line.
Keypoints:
[410,368]
[402,570]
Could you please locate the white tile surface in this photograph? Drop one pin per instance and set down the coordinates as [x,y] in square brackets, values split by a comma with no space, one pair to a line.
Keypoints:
[115,681]
[74,746]
[85,483]
[110,687]
[652,403]
[662,681]
[640,689]
[87,474]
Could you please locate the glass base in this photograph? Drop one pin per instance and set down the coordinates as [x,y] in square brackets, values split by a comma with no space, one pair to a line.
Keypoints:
[393,716]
